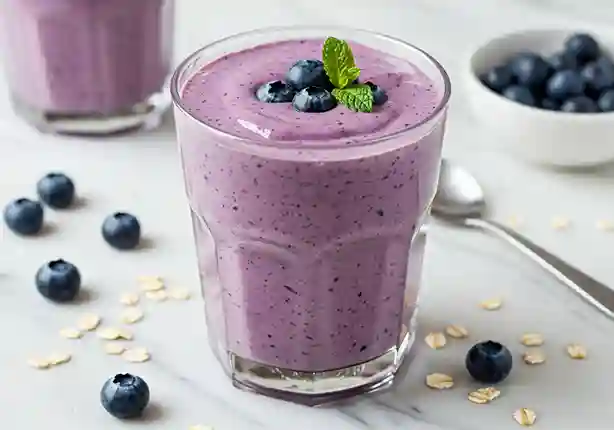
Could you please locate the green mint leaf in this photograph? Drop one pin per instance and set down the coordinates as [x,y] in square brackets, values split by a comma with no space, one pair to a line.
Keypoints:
[339,62]
[358,98]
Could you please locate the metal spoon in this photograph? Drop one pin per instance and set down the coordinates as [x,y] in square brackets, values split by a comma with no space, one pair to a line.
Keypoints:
[460,200]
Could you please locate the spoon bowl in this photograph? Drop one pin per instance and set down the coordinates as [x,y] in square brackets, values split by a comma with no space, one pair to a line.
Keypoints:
[459,195]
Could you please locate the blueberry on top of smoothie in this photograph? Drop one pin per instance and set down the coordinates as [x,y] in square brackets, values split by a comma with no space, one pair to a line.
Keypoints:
[379,95]
[275,92]
[313,99]
[307,73]
[319,85]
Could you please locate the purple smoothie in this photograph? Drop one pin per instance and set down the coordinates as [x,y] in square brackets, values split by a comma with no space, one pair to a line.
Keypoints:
[313,221]
[86,56]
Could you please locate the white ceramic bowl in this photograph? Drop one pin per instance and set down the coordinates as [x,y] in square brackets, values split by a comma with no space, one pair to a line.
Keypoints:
[546,137]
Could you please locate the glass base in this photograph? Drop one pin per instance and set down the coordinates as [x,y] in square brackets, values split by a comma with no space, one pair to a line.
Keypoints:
[146,115]
[317,388]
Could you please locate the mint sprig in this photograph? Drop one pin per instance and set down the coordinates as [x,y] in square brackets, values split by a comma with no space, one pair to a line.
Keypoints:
[358,97]
[340,67]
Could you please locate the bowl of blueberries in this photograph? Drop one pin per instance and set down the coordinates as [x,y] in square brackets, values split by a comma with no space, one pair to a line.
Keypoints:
[547,95]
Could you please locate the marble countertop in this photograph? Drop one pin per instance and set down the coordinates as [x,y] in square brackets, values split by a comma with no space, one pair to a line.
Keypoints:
[141,173]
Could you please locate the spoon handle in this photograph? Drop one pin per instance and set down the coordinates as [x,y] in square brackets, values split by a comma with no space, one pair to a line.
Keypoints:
[591,290]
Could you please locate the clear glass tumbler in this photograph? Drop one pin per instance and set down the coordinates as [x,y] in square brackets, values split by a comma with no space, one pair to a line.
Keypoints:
[88,67]
[317,302]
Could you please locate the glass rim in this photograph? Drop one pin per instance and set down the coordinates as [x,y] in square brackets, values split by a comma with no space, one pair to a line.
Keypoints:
[308,144]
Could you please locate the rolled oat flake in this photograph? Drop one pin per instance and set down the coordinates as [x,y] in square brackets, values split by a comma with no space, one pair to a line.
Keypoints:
[525,417]
[436,340]
[439,381]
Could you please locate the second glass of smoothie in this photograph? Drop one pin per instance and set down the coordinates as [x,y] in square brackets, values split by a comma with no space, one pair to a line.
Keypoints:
[308,224]
[90,67]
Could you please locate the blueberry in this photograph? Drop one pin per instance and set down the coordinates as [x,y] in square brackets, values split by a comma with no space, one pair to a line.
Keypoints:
[56,190]
[314,99]
[498,78]
[58,280]
[583,47]
[606,101]
[121,230]
[597,77]
[529,69]
[565,84]
[24,216]
[563,61]
[125,396]
[275,92]
[379,95]
[308,73]
[519,94]
[579,104]
[550,104]
[489,362]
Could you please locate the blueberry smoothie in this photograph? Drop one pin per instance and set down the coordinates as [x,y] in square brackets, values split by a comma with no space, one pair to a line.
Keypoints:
[86,57]
[314,207]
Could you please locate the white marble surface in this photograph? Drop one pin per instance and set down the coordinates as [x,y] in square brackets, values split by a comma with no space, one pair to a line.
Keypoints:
[141,173]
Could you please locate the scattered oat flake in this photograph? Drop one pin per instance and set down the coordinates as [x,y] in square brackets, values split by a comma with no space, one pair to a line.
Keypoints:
[477,398]
[38,363]
[605,225]
[89,322]
[525,417]
[110,333]
[532,339]
[58,358]
[114,348]
[129,299]
[136,355]
[179,294]
[156,296]
[560,223]
[533,357]
[491,304]
[439,381]
[491,392]
[132,315]
[457,331]
[200,427]
[436,340]
[576,351]
[71,333]
[482,396]
[151,283]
